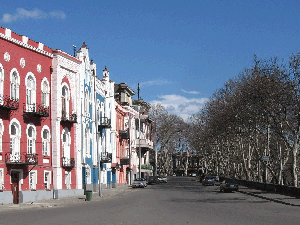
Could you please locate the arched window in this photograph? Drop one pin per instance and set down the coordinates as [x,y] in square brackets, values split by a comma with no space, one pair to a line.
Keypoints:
[86,101]
[66,142]
[30,92]
[46,142]
[15,134]
[1,83]
[45,93]
[1,134]
[31,136]
[65,102]
[87,141]
[14,85]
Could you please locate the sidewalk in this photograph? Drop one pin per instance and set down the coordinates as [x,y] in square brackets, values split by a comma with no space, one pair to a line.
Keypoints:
[49,203]
[271,196]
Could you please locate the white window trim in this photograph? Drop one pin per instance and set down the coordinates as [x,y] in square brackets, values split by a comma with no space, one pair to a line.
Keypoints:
[48,90]
[2,81]
[1,135]
[33,138]
[50,179]
[33,90]
[68,173]
[1,179]
[35,177]
[17,83]
[45,127]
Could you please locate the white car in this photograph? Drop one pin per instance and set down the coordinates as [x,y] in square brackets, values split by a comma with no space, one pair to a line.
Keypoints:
[139,182]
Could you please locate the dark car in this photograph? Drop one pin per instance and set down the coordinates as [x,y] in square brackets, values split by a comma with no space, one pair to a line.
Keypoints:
[229,186]
[153,180]
[209,180]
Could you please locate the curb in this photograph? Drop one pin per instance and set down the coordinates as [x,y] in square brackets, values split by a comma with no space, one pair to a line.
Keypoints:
[269,199]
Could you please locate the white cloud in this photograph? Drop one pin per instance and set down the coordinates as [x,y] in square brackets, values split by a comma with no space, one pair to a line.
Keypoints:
[33,14]
[190,92]
[180,105]
[154,82]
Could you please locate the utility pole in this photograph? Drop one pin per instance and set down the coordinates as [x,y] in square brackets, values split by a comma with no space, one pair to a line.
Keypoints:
[140,154]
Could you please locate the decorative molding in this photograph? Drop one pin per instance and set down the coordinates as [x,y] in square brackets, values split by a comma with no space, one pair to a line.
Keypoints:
[25,45]
[22,62]
[6,57]
[39,68]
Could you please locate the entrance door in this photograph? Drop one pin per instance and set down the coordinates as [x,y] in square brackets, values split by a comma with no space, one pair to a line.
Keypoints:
[15,187]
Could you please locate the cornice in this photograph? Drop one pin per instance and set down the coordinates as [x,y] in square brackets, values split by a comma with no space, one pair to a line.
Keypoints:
[20,43]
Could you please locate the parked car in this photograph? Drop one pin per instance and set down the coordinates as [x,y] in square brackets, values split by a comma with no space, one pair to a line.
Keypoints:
[153,180]
[209,180]
[229,186]
[139,182]
[162,179]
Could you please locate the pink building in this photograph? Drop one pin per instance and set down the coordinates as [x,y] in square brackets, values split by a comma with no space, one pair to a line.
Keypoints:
[25,138]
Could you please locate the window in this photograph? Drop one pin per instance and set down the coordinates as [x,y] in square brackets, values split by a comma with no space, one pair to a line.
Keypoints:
[46,142]
[15,134]
[1,134]
[68,179]
[14,86]
[45,93]
[66,142]
[1,179]
[1,83]
[65,102]
[31,136]
[32,180]
[47,180]
[86,101]
[87,141]
[30,92]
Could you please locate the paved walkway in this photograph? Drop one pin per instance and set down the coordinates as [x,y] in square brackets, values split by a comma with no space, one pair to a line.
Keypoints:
[49,203]
[271,196]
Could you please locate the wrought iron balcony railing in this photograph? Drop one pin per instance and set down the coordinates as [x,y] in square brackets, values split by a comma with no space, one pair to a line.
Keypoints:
[36,109]
[106,157]
[104,123]
[125,161]
[8,104]
[124,134]
[71,118]
[21,158]
[67,162]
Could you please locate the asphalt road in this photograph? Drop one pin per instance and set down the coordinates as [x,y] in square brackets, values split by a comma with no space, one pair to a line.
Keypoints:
[181,201]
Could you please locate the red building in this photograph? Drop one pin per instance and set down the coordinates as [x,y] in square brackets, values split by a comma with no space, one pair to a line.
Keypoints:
[25,140]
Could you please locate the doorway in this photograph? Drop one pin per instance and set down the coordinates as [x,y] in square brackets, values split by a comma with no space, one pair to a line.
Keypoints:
[15,177]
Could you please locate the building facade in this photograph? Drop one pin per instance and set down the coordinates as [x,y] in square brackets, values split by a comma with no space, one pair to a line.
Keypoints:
[25,135]
[66,154]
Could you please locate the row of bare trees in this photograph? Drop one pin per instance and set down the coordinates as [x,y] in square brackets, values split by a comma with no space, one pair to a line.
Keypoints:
[250,127]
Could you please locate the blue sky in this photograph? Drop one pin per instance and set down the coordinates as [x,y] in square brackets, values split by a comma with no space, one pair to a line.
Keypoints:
[179,51]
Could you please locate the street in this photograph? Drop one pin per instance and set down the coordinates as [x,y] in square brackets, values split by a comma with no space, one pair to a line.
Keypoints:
[181,201]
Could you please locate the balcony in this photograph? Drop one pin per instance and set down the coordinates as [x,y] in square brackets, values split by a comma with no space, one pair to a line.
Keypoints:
[70,118]
[8,104]
[17,158]
[124,134]
[104,123]
[67,163]
[145,143]
[125,161]
[37,110]
[106,157]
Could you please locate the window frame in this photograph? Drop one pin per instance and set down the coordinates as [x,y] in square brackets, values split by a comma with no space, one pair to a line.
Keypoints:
[34,182]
